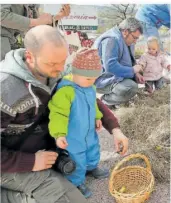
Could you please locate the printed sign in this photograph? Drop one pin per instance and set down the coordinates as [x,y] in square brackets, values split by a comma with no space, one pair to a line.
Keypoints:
[80,18]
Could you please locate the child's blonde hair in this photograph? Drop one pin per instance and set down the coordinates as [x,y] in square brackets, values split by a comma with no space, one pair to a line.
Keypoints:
[153,42]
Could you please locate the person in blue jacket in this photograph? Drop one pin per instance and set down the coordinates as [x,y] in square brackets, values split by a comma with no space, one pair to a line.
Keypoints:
[152,17]
[116,49]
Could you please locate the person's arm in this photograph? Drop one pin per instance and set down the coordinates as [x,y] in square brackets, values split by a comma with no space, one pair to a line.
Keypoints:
[19,22]
[21,162]
[13,20]
[109,121]
[16,161]
[110,58]
[120,141]
[142,62]
[165,63]
[99,115]
[65,11]
[59,107]
[13,161]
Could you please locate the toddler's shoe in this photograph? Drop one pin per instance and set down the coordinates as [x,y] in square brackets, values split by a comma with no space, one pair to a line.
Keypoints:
[147,93]
[99,173]
[85,190]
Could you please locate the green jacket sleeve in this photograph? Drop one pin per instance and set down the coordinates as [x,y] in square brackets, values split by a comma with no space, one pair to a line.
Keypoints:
[59,107]
[99,115]
[13,20]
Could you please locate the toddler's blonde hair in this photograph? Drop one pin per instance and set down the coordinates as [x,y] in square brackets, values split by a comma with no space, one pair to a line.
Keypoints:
[153,42]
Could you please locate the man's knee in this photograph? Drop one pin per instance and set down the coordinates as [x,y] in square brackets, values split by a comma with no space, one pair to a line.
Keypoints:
[127,88]
[133,87]
[73,196]
[9,196]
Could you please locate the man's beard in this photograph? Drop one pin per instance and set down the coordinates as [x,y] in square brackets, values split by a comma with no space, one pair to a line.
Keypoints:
[40,74]
[37,70]
[127,37]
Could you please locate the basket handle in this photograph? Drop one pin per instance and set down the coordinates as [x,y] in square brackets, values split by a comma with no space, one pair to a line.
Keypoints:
[134,156]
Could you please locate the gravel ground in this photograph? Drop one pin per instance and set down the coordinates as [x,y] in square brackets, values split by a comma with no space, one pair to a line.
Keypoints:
[108,160]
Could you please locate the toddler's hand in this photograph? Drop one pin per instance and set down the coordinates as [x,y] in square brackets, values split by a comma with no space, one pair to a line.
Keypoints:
[168,67]
[61,142]
[98,125]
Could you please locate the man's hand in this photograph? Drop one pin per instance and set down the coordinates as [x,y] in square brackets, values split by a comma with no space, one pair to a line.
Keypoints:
[45,19]
[98,125]
[139,78]
[120,140]
[65,11]
[61,142]
[137,69]
[44,160]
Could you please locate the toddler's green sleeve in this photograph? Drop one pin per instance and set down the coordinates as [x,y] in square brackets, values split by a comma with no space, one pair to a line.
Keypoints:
[99,115]
[59,107]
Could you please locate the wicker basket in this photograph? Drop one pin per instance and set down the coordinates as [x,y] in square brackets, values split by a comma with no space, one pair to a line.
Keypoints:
[131,184]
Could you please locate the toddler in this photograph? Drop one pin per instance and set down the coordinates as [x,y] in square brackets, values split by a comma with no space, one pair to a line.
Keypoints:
[153,62]
[75,117]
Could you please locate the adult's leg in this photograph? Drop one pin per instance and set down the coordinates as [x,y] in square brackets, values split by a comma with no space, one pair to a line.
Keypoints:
[120,92]
[5,47]
[9,196]
[43,186]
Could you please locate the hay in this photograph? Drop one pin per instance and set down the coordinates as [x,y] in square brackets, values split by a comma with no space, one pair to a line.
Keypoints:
[141,122]
[158,98]
[159,159]
[147,126]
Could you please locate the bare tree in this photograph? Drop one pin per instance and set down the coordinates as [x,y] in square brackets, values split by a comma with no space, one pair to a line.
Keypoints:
[118,12]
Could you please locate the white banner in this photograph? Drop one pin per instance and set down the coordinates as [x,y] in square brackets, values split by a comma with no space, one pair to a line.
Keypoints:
[83,17]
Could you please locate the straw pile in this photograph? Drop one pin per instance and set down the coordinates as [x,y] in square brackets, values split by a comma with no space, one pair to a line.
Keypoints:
[147,126]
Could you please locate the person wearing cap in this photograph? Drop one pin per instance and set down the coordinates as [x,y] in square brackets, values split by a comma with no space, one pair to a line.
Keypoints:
[75,117]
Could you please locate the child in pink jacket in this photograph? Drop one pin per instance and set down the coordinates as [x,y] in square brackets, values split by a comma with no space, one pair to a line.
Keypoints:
[153,62]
